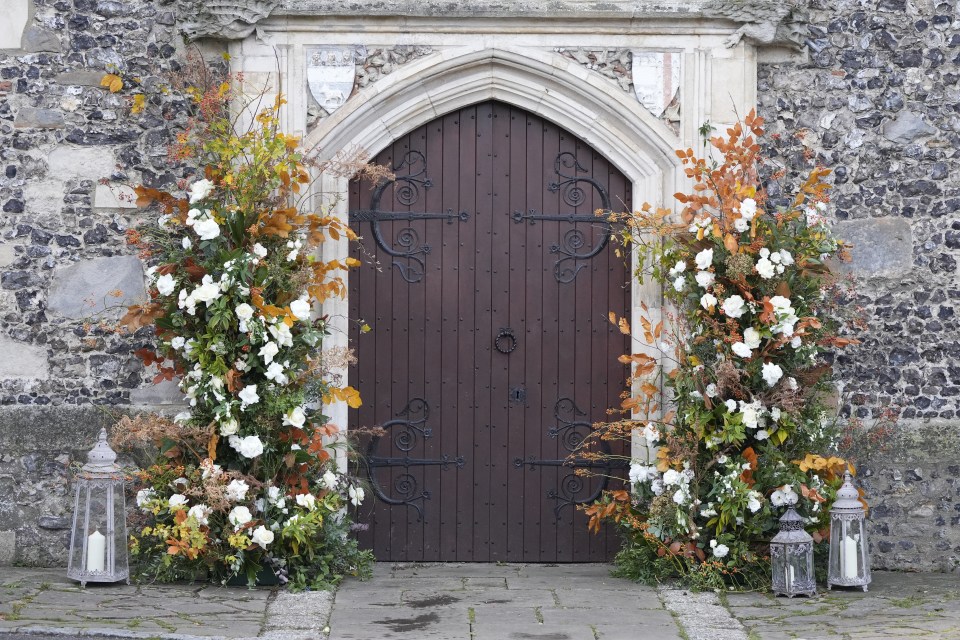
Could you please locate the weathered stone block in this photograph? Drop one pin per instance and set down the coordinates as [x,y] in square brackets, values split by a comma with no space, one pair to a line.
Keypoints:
[21,360]
[906,128]
[33,118]
[80,78]
[114,196]
[882,247]
[36,40]
[165,392]
[44,198]
[98,287]
[8,547]
[7,254]
[15,15]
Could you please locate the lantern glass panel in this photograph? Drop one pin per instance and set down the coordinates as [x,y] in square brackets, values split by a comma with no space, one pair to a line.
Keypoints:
[849,564]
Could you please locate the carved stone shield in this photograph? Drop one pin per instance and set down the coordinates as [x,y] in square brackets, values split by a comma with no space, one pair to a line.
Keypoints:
[656,79]
[331,72]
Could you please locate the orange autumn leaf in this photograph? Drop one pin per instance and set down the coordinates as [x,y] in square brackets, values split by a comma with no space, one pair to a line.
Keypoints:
[212,446]
[750,456]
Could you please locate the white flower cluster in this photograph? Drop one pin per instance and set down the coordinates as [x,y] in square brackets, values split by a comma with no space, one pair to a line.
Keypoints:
[748,210]
[784,496]
[772,264]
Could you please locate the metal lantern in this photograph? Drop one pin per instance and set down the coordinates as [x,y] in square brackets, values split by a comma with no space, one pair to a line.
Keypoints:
[791,558]
[98,544]
[849,561]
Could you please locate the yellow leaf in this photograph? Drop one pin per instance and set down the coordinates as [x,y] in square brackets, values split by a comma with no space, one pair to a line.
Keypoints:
[624,326]
[112,82]
[365,328]
[353,262]
[139,102]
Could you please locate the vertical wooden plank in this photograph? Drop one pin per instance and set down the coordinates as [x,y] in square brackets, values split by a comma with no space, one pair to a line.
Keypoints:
[500,381]
[427,351]
[483,347]
[552,388]
[533,336]
[583,309]
[466,299]
[445,334]
[516,129]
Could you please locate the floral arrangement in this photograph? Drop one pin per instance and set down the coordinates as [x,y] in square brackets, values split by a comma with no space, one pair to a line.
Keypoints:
[246,477]
[744,361]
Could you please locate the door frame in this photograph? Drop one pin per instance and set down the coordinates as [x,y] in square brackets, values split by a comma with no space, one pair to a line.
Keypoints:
[536,79]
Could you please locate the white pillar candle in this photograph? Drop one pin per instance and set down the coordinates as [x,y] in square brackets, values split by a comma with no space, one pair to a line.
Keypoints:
[849,558]
[96,551]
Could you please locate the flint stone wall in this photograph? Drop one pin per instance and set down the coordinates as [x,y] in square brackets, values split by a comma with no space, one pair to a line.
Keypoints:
[876,99]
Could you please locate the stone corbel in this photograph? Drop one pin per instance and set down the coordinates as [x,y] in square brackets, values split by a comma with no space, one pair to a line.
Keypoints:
[765,22]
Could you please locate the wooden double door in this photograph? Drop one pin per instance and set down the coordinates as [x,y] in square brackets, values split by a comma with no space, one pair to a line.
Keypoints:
[486,280]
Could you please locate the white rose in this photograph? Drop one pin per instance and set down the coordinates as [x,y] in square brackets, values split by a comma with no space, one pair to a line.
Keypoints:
[275,372]
[741,224]
[260,250]
[200,513]
[295,418]
[300,308]
[207,229]
[796,342]
[200,190]
[731,405]
[762,434]
[678,283]
[165,284]
[753,502]
[792,384]
[748,208]
[781,304]
[267,352]
[244,312]
[144,496]
[750,416]
[229,427]
[786,257]
[704,259]
[734,306]
[177,500]
[356,495]
[711,390]
[705,278]
[307,501]
[206,292]
[186,243]
[771,373]
[250,447]
[671,477]
[178,342]
[751,337]
[765,268]
[720,551]
[742,350]
[281,333]
[329,480]
[679,496]
[239,516]
[248,395]
[237,490]
[708,301]
[678,268]
[262,536]
[650,433]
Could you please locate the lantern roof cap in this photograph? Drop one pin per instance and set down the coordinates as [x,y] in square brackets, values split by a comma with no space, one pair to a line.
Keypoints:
[848,498]
[101,459]
[791,528]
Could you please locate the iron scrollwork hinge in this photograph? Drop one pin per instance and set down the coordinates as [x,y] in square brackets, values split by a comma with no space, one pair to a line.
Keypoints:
[405,433]
[574,247]
[572,433]
[408,249]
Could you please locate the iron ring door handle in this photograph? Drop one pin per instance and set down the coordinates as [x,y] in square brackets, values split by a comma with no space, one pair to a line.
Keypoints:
[506,341]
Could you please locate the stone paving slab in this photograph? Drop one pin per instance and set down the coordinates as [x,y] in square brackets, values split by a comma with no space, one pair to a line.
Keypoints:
[455,601]
[897,606]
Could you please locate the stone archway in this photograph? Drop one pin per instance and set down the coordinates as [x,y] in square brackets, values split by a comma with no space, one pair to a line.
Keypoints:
[545,84]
